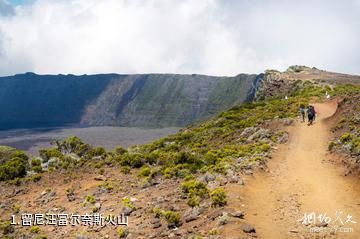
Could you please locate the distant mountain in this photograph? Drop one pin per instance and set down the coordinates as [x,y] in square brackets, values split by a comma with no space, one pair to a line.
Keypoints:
[148,100]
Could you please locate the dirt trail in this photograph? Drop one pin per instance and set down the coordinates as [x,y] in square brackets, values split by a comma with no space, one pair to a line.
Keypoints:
[302,179]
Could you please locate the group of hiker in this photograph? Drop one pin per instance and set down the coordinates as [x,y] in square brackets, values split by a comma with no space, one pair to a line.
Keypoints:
[309,111]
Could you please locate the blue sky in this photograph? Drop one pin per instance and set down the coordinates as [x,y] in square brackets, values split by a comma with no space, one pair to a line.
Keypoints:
[214,37]
[16,2]
[20,2]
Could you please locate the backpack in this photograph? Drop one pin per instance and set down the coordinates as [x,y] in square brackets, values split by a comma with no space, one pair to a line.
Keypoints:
[310,112]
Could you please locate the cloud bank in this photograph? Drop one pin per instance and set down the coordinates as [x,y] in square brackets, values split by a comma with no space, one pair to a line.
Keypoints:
[181,36]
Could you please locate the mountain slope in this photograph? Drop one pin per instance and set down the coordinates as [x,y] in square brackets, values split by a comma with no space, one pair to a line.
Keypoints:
[228,177]
[150,100]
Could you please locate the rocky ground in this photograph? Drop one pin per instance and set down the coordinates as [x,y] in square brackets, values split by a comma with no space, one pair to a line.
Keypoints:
[69,192]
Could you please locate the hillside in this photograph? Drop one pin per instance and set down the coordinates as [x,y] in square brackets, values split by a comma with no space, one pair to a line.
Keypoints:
[150,100]
[252,171]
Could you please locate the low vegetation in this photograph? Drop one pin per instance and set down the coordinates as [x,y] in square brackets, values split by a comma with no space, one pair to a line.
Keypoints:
[218,197]
[347,129]
[14,163]
[171,217]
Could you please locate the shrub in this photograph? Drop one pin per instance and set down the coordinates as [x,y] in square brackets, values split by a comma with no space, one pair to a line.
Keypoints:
[68,162]
[265,147]
[37,169]
[47,154]
[35,229]
[134,160]
[75,145]
[16,208]
[13,168]
[355,145]
[35,177]
[346,137]
[158,212]
[331,145]
[35,162]
[122,232]
[120,150]
[212,156]
[152,157]
[90,199]
[20,154]
[171,217]
[128,203]
[186,157]
[145,171]
[213,232]
[6,227]
[195,188]
[218,197]
[96,152]
[108,186]
[193,201]
[125,169]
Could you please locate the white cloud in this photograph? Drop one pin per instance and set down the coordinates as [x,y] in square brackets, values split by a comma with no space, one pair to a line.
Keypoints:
[181,36]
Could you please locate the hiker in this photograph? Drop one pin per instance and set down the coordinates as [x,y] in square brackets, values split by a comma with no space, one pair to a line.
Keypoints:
[302,112]
[327,96]
[311,114]
[314,112]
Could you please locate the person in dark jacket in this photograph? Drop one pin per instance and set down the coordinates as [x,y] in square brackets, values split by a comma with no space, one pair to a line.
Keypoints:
[311,114]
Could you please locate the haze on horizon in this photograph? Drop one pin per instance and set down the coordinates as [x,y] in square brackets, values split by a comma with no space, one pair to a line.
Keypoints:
[210,37]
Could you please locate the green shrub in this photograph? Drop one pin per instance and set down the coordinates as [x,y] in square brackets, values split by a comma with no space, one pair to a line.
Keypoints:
[145,171]
[75,145]
[16,208]
[122,232]
[90,199]
[195,188]
[69,162]
[6,227]
[218,197]
[13,168]
[47,154]
[212,157]
[193,201]
[35,229]
[37,169]
[125,169]
[171,217]
[346,137]
[152,157]
[120,150]
[35,177]
[128,203]
[108,186]
[96,152]
[134,160]
[158,212]
[35,162]
[331,145]
[355,145]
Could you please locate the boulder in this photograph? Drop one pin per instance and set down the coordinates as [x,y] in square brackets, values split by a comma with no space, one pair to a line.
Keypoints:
[248,228]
